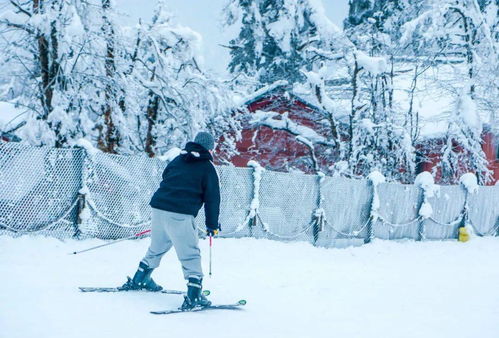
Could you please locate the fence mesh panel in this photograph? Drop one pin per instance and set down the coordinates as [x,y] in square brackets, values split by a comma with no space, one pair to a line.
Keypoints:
[484,210]
[447,206]
[287,203]
[236,186]
[347,204]
[399,207]
[119,191]
[39,189]
[67,192]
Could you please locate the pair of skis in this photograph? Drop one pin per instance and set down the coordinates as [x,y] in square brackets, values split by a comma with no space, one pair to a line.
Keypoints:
[233,306]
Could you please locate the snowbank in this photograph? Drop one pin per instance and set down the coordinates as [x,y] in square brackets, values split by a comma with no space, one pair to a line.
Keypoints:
[385,289]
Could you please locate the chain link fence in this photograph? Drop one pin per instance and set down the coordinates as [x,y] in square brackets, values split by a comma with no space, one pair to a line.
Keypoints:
[70,193]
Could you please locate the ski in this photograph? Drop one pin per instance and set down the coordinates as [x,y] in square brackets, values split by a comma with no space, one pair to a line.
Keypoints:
[235,306]
[117,289]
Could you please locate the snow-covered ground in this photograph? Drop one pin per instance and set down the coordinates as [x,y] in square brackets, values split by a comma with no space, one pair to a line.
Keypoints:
[385,289]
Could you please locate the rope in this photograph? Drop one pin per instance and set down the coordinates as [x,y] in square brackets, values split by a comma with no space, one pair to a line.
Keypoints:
[64,215]
[267,230]
[398,225]
[353,233]
[107,219]
[491,232]
[452,223]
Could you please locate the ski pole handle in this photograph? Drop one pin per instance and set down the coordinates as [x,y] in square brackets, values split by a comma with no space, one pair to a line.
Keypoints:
[113,242]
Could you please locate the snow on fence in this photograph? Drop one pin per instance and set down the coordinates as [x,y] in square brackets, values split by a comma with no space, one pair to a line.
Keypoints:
[79,193]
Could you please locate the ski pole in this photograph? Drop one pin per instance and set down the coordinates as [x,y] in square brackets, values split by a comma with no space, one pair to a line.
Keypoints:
[113,242]
[211,245]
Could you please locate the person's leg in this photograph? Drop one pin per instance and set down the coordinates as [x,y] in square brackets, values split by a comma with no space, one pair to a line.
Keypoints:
[184,236]
[160,244]
[160,241]
[183,233]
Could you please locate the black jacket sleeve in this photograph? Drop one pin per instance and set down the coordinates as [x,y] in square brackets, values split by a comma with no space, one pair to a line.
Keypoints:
[211,198]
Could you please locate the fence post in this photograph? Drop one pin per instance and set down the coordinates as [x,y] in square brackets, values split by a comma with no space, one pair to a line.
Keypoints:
[81,198]
[318,217]
[375,177]
[255,201]
[421,226]
[82,211]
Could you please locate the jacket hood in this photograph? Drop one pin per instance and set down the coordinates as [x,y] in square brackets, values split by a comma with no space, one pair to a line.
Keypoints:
[195,152]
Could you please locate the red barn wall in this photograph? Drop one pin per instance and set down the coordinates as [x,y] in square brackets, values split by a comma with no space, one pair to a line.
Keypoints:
[278,149]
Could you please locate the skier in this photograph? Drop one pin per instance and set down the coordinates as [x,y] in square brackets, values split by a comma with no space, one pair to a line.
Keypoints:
[188,181]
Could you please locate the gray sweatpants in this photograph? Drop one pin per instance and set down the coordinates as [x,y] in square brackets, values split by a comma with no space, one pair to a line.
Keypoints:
[170,228]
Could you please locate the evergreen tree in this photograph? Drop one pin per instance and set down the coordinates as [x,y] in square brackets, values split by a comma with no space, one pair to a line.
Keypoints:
[271,41]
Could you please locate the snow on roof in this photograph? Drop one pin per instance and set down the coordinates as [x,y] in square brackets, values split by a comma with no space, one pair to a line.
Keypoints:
[10,115]
[300,95]
[262,92]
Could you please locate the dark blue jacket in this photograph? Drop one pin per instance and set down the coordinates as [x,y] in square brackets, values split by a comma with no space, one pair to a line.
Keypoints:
[189,181]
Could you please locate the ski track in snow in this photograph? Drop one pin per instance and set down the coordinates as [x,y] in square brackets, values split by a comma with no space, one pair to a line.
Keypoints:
[384,289]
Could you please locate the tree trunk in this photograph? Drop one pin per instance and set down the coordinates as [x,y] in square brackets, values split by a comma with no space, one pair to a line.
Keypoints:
[355,104]
[108,136]
[44,62]
[152,115]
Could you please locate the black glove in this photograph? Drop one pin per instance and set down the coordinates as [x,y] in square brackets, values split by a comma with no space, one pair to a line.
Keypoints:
[213,231]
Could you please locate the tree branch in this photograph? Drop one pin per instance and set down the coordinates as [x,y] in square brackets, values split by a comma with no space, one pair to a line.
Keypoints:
[22,10]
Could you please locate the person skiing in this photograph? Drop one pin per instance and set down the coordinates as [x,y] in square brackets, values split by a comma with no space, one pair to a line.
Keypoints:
[188,181]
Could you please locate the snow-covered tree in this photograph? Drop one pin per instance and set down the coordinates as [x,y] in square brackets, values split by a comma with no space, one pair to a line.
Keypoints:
[292,42]
[463,29]
[40,47]
[80,74]
[272,38]
[378,128]
[175,97]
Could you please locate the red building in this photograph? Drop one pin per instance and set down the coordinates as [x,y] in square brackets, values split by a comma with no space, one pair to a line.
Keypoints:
[277,115]
[272,140]
[431,152]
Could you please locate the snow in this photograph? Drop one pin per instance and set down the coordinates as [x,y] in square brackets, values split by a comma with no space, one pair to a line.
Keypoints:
[468,112]
[268,119]
[261,91]
[368,125]
[170,154]
[87,145]
[469,181]
[384,289]
[257,178]
[376,177]
[10,115]
[425,181]
[426,210]
[374,65]
[281,32]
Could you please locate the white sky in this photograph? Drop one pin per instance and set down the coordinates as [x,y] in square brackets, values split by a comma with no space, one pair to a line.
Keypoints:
[203,16]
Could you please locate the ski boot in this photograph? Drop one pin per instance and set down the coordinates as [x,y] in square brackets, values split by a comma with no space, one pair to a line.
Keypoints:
[142,280]
[194,297]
